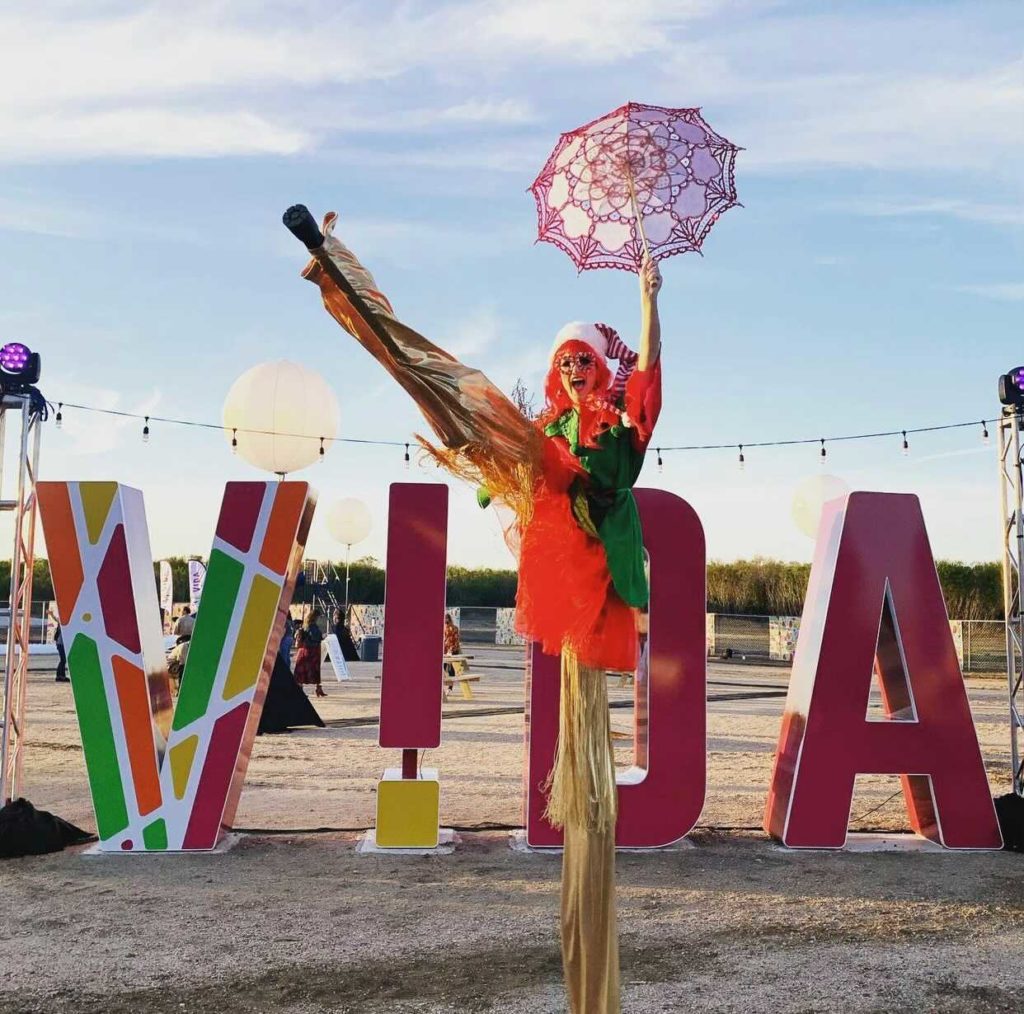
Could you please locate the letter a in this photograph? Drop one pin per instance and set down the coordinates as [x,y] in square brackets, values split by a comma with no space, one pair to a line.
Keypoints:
[162,779]
[874,602]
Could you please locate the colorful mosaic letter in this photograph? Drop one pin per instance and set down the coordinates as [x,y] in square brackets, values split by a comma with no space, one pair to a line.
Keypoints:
[660,798]
[166,778]
[874,602]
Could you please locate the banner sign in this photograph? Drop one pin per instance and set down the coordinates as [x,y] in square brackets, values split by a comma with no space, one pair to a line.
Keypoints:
[166,587]
[332,650]
[196,579]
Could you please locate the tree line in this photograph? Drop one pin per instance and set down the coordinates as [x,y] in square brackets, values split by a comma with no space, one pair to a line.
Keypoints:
[760,586]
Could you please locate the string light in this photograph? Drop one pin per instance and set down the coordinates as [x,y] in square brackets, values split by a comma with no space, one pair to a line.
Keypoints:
[321,450]
[906,444]
[145,431]
[821,441]
[743,460]
[984,432]
[234,441]
[661,464]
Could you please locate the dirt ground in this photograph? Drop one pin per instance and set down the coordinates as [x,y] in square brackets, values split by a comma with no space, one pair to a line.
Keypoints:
[293,919]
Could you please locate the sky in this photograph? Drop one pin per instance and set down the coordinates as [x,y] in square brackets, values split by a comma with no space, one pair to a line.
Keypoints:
[872,280]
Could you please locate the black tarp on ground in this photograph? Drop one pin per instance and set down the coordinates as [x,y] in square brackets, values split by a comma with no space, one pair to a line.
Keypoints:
[1010,811]
[286,706]
[26,831]
[348,646]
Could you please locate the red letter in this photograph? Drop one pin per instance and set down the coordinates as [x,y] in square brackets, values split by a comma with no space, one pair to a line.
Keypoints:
[410,688]
[662,797]
[874,599]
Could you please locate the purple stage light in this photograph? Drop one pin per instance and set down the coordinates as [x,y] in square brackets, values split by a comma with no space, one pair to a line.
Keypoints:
[13,357]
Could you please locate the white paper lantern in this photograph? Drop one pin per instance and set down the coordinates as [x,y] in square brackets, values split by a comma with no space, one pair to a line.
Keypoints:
[281,398]
[811,496]
[349,521]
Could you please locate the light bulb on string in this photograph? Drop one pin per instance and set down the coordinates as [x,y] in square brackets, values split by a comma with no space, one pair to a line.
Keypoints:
[984,432]
[234,440]
[661,464]
[407,457]
[145,431]
[59,418]
[824,453]
[906,444]
[321,450]
[743,460]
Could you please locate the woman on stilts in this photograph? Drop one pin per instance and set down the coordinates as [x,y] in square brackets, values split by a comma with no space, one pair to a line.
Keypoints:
[567,477]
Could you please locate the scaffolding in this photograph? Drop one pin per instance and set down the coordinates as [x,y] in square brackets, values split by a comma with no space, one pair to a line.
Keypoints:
[28,409]
[320,579]
[1011,483]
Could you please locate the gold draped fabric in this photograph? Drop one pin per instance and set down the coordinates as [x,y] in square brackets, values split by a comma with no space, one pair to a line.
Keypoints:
[583,801]
[486,440]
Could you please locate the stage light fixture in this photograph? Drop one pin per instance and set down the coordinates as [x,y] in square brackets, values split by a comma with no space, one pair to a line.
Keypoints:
[19,367]
[1011,387]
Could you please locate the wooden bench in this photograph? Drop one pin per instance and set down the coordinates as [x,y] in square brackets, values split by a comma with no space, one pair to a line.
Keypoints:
[460,666]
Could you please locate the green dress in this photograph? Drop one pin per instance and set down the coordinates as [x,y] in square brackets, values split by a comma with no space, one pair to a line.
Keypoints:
[605,505]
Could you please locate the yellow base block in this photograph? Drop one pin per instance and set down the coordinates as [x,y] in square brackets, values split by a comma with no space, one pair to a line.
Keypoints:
[408,810]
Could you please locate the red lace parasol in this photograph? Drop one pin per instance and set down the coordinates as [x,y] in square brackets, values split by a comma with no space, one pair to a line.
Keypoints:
[642,179]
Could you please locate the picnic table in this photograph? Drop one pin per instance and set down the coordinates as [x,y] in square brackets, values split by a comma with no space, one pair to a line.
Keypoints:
[459,674]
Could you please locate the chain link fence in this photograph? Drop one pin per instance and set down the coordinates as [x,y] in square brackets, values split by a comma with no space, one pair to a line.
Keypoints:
[984,645]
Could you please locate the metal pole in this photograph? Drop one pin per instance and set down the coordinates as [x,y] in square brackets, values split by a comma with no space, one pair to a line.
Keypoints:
[1012,490]
[20,611]
[348,554]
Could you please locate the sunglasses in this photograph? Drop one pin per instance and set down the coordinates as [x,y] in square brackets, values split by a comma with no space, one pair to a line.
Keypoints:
[581,360]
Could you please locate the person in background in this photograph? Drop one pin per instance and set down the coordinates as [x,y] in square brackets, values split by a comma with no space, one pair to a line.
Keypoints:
[452,646]
[307,661]
[183,628]
[452,641]
[176,659]
[287,640]
[62,658]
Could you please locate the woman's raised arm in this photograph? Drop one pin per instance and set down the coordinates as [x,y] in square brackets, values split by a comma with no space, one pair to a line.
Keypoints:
[650,323]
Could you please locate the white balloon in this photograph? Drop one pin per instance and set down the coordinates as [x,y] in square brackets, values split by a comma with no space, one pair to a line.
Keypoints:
[349,521]
[811,496]
[281,398]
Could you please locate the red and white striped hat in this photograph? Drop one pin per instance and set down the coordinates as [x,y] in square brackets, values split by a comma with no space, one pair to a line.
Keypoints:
[605,341]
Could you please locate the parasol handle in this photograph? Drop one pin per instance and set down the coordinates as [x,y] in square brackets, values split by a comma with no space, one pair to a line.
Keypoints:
[636,212]
[302,225]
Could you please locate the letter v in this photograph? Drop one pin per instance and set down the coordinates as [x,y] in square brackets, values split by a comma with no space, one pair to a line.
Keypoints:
[164,779]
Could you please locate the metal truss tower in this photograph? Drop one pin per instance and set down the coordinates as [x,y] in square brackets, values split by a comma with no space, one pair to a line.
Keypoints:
[319,578]
[26,410]
[1011,482]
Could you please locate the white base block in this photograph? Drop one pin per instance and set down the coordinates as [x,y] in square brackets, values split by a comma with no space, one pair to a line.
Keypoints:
[517,843]
[871,842]
[226,844]
[447,839]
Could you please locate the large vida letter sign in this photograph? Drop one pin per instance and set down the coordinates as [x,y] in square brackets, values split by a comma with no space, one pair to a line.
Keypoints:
[164,778]
[874,604]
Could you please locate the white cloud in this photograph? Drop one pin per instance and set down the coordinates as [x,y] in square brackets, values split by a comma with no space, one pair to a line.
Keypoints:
[29,212]
[1013,291]
[190,79]
[960,208]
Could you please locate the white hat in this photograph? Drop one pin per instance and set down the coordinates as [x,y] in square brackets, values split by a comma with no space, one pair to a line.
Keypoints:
[577,330]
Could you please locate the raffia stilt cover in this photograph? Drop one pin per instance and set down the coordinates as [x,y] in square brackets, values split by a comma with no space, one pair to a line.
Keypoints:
[583,801]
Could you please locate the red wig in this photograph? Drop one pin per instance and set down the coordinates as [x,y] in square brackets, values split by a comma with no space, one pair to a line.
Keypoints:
[597,412]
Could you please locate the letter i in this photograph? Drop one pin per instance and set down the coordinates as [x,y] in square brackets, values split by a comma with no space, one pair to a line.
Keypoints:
[408,800]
